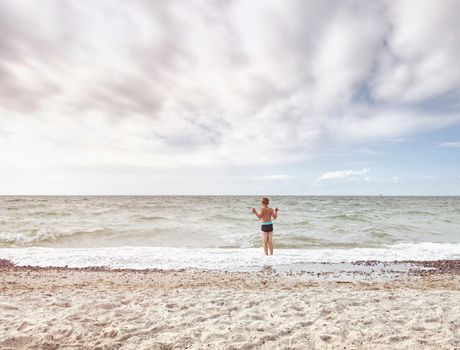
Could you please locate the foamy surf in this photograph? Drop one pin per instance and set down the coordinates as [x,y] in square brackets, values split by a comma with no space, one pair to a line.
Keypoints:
[218,258]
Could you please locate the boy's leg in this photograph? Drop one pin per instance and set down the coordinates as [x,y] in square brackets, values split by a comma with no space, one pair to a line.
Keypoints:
[265,240]
[270,242]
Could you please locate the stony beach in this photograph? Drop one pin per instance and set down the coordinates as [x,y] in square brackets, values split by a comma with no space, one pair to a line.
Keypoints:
[100,308]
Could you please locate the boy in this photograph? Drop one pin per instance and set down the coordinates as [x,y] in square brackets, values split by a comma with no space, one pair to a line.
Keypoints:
[266,214]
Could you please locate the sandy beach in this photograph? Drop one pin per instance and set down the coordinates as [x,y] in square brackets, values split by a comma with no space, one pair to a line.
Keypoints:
[93,308]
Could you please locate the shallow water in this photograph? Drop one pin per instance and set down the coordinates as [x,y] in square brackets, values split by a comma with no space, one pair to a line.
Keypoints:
[214,227]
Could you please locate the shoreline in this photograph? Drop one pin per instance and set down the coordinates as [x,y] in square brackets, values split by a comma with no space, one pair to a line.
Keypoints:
[369,268]
[102,308]
[233,259]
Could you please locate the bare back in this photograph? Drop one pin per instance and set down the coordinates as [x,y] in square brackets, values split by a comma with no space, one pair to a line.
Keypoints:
[266,213]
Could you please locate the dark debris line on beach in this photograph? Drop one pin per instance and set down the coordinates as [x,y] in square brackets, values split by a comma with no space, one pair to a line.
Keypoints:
[6,264]
[428,267]
[431,266]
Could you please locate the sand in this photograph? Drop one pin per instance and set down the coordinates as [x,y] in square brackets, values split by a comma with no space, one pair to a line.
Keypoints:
[61,308]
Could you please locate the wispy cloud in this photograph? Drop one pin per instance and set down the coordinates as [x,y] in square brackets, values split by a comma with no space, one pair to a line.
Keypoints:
[344,175]
[202,83]
[275,177]
[219,92]
[453,144]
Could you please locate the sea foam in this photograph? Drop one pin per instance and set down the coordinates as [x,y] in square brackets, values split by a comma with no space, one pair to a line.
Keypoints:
[219,258]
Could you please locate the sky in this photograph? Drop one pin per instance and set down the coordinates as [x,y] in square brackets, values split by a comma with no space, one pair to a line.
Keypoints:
[230,97]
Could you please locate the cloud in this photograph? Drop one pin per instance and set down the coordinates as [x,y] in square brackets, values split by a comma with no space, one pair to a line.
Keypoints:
[276,177]
[453,144]
[220,83]
[344,175]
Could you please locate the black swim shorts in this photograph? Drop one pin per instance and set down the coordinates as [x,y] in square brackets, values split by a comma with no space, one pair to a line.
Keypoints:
[267,228]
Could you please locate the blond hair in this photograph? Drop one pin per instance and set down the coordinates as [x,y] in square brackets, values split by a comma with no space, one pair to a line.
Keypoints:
[265,200]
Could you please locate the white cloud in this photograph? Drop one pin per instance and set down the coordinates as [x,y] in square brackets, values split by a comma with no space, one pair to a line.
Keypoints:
[275,177]
[417,62]
[344,175]
[453,144]
[227,83]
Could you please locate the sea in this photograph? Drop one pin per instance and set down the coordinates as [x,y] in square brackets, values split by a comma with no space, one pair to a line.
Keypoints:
[220,232]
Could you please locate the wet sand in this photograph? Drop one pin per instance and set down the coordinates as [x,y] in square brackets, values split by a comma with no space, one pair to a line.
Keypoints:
[365,305]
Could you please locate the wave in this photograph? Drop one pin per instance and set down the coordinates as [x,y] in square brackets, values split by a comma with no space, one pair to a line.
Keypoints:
[150,218]
[50,213]
[305,242]
[45,235]
[419,212]
[349,216]
[403,228]
[378,233]
[13,200]
[218,258]
[222,218]
[304,223]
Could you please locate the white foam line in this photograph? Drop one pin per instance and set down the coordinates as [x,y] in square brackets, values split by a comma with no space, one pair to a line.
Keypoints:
[216,258]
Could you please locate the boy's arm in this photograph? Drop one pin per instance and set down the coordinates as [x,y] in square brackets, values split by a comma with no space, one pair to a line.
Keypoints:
[275,213]
[257,214]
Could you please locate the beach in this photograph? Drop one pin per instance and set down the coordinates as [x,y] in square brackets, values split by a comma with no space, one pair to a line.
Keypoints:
[101,308]
[229,175]
[121,272]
